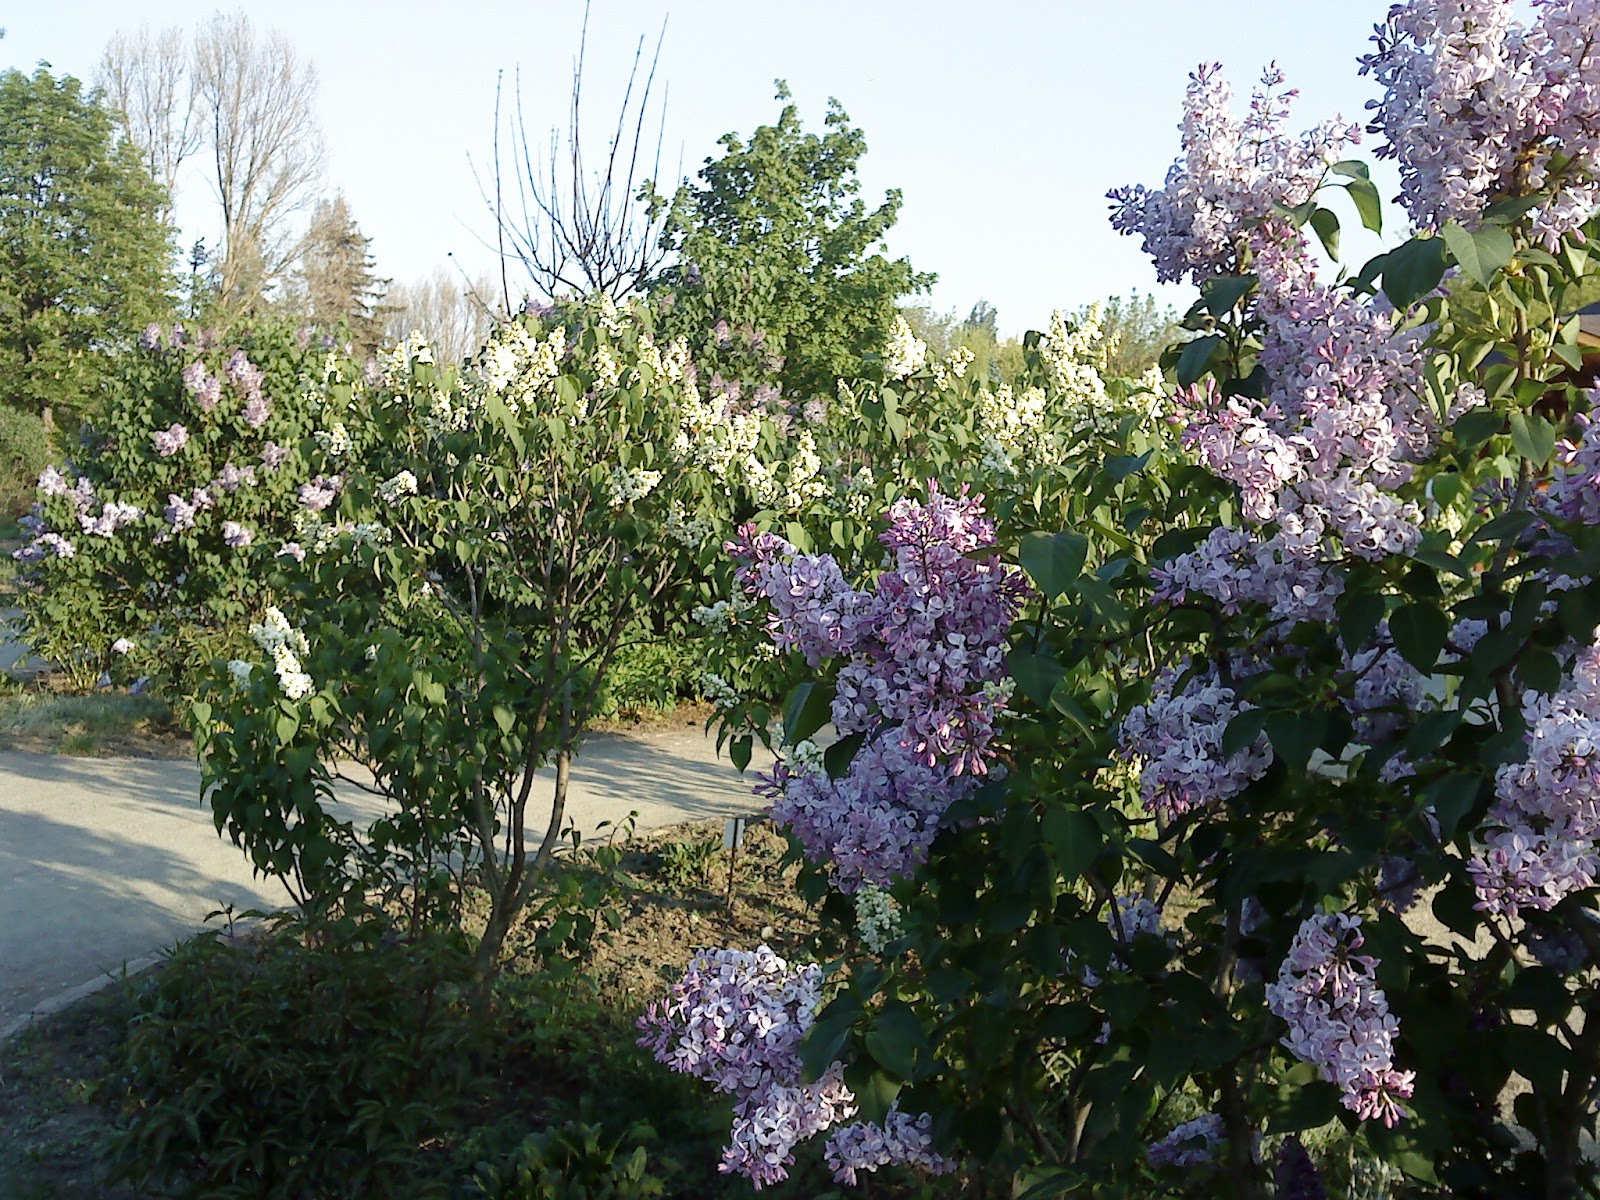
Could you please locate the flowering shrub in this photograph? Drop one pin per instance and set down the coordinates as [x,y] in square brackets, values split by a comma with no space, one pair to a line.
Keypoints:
[146,535]
[1293,799]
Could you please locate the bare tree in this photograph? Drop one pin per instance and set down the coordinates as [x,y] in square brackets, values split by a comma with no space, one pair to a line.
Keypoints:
[451,314]
[578,229]
[257,110]
[148,84]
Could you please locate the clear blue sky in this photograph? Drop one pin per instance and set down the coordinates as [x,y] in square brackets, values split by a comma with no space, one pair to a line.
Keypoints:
[1003,122]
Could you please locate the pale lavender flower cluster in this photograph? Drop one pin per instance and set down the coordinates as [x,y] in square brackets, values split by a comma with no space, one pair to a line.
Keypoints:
[1543,838]
[1237,567]
[1478,106]
[735,1020]
[170,440]
[206,388]
[1387,690]
[320,492]
[1177,735]
[113,516]
[874,824]
[231,478]
[237,536]
[1233,175]
[902,1138]
[1190,1144]
[248,378]
[923,680]
[1338,1017]
[272,455]
[1574,491]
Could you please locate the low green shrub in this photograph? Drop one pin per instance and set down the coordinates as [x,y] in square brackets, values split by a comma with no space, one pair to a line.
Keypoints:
[575,1162]
[685,865]
[320,1063]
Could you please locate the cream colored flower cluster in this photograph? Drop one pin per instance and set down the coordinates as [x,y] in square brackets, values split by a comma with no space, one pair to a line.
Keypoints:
[285,644]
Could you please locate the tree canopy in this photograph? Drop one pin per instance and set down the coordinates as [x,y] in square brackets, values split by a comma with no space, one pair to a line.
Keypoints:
[776,239]
[84,251]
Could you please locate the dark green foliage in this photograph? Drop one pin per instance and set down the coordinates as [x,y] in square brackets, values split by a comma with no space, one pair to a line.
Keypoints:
[776,239]
[83,249]
[314,1065]
[575,1162]
[24,452]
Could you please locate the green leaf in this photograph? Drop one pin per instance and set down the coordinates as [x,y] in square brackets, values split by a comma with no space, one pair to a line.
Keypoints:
[1369,205]
[1053,560]
[894,1039]
[1359,614]
[836,758]
[1073,837]
[1412,270]
[808,708]
[1120,466]
[504,718]
[1480,254]
[1221,295]
[739,751]
[1243,731]
[1295,736]
[1196,356]
[1036,674]
[1533,436]
[1419,632]
[1326,223]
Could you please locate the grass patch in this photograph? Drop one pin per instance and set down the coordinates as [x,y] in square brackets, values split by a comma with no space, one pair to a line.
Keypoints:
[105,724]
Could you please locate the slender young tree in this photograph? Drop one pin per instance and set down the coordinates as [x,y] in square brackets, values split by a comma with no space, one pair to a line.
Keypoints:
[149,84]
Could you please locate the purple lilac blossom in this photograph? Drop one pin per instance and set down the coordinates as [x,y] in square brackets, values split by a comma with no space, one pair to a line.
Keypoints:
[902,1138]
[1232,175]
[272,455]
[236,535]
[113,516]
[1190,1144]
[1338,1017]
[735,1019]
[257,410]
[318,494]
[1477,106]
[1178,736]
[170,440]
[1541,841]
[150,339]
[53,483]
[231,478]
[180,513]
[1236,567]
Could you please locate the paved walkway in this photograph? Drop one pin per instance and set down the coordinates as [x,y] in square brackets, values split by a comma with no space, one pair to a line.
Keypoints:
[105,861]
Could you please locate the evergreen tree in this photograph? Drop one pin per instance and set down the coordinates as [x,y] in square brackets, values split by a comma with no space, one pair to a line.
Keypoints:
[776,239]
[336,281]
[84,252]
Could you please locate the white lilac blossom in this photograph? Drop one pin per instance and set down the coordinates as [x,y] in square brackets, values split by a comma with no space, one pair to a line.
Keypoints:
[124,645]
[53,483]
[169,441]
[717,690]
[735,1019]
[333,442]
[902,1138]
[239,671]
[1338,1017]
[390,491]
[877,918]
[628,486]
[1233,174]
[1190,1144]
[285,644]
[905,354]
[237,536]
[1177,735]
[1478,105]
[1541,841]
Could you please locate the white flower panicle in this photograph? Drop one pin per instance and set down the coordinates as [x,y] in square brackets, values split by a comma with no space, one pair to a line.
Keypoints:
[628,486]
[877,918]
[906,354]
[285,644]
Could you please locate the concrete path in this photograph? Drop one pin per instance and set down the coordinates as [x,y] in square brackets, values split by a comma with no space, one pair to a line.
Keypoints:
[103,862]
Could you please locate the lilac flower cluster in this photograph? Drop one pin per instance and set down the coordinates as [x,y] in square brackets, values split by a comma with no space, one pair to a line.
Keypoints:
[735,1020]
[320,492]
[1232,176]
[231,478]
[51,543]
[1339,1018]
[113,516]
[1543,834]
[1177,734]
[170,440]
[902,1138]
[1190,1144]
[1385,691]
[1574,491]
[922,679]
[1237,567]
[874,824]
[205,387]
[1478,106]
[237,536]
